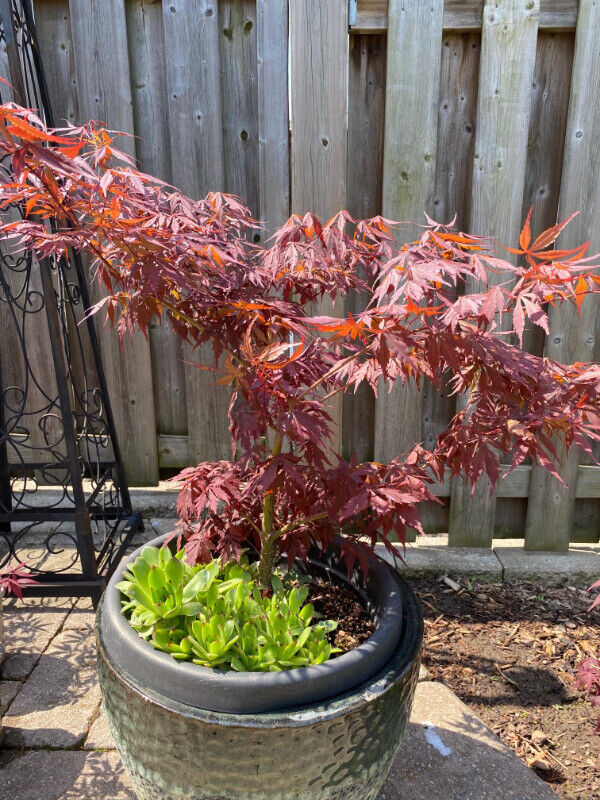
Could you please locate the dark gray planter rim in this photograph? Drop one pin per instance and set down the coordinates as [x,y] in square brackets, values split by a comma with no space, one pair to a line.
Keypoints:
[251,692]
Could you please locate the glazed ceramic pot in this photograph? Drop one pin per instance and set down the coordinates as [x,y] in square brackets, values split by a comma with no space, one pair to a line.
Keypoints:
[186,732]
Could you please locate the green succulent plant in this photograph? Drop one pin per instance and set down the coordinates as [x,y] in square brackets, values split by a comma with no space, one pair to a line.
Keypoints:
[216,616]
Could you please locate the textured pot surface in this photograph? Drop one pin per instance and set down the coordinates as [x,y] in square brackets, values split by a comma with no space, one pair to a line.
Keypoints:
[341,747]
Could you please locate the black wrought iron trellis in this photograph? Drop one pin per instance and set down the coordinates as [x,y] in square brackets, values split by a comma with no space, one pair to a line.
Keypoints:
[65,510]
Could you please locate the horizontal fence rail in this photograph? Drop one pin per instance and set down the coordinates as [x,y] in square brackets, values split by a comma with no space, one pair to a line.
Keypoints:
[468,108]
[464,15]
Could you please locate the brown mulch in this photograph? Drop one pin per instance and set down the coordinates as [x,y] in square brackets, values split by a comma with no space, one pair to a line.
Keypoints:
[342,605]
[511,652]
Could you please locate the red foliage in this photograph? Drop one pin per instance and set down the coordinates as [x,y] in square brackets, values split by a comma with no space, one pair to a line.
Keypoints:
[12,581]
[588,675]
[160,253]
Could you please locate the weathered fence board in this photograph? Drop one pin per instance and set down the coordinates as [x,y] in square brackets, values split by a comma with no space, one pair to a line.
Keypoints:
[372,15]
[572,337]
[366,117]
[549,103]
[193,66]
[237,19]
[146,41]
[412,94]
[319,68]
[104,93]
[272,19]
[53,25]
[457,114]
[457,108]
[506,71]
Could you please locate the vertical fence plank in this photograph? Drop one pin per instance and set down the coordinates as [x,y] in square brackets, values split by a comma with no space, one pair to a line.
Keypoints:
[457,107]
[195,123]
[366,117]
[412,90]
[53,27]
[506,71]
[319,111]
[272,19]
[457,112]
[146,40]
[549,103]
[572,337]
[104,92]
[237,20]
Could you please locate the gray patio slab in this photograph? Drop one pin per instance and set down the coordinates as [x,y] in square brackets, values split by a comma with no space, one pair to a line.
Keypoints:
[424,558]
[57,703]
[155,501]
[63,775]
[8,692]
[29,626]
[449,754]
[580,566]
[81,617]
[99,737]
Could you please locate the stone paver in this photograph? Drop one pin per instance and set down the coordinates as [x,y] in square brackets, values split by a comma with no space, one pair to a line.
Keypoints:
[155,501]
[448,753]
[580,566]
[99,737]
[57,703]
[81,617]
[63,775]
[8,692]
[437,559]
[29,626]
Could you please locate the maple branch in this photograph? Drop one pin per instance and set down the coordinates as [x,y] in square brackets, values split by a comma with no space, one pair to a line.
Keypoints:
[340,365]
[251,522]
[298,523]
[267,551]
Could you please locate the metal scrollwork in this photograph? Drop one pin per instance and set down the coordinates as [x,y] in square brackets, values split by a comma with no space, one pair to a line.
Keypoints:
[65,510]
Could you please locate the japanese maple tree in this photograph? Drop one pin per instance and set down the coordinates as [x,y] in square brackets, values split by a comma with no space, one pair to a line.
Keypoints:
[193,264]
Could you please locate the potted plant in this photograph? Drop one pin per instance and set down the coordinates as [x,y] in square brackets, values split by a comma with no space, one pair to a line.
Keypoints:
[219,678]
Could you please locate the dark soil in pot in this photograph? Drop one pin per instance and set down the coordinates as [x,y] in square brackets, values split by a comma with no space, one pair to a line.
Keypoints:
[340,603]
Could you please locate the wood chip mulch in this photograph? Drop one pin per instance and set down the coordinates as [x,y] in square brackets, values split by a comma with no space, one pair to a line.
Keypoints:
[511,652]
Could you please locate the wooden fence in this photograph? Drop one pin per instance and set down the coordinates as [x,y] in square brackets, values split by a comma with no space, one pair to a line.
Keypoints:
[473,108]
